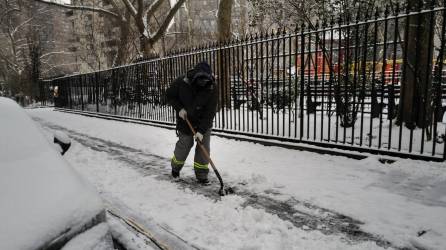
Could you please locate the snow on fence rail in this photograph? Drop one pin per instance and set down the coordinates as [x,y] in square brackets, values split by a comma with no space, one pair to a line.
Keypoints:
[347,86]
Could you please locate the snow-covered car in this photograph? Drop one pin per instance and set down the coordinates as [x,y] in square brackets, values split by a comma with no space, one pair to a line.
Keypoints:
[44,203]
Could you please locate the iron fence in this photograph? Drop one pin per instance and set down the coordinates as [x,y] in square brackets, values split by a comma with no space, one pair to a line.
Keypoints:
[340,83]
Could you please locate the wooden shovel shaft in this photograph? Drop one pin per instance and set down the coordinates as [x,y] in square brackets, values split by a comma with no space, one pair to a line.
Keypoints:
[205,152]
[203,149]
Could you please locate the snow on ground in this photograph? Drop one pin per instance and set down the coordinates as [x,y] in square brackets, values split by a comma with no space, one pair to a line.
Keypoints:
[395,201]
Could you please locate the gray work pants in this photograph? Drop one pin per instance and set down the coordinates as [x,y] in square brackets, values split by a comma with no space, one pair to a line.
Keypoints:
[182,149]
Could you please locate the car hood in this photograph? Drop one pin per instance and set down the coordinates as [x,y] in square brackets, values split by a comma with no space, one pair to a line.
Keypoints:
[41,196]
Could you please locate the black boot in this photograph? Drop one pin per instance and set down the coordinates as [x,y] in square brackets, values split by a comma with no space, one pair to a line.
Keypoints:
[175,174]
[203,182]
[176,168]
[201,175]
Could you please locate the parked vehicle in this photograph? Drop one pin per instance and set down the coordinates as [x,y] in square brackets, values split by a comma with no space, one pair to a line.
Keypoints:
[44,203]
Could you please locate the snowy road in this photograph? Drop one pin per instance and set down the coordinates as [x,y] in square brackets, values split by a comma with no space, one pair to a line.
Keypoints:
[134,170]
[309,216]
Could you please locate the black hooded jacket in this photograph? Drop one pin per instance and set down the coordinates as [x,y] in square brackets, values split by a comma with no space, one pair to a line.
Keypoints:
[200,102]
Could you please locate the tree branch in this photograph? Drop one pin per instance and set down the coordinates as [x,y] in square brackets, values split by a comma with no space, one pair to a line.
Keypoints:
[9,64]
[52,67]
[21,25]
[153,8]
[55,53]
[131,8]
[140,8]
[153,38]
[9,11]
[87,8]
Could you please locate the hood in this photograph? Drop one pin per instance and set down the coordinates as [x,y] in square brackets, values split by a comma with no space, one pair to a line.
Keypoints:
[201,70]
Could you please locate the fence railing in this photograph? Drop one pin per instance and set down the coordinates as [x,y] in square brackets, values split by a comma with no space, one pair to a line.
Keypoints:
[341,85]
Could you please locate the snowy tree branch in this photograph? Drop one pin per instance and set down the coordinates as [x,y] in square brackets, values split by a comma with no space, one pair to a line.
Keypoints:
[55,53]
[52,67]
[10,64]
[87,8]
[21,25]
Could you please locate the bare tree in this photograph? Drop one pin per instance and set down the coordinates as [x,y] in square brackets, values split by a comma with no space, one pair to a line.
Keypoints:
[415,102]
[141,12]
[224,34]
[27,48]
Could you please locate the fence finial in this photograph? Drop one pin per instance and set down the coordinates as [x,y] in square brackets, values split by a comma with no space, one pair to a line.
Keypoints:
[358,14]
[376,13]
[332,21]
[420,5]
[387,11]
[324,22]
[397,8]
[432,4]
[367,15]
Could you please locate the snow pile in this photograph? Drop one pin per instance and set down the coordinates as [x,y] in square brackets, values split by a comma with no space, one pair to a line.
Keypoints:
[97,238]
[62,137]
[40,195]
[126,237]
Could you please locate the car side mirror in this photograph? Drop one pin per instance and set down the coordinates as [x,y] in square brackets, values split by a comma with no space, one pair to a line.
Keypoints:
[63,141]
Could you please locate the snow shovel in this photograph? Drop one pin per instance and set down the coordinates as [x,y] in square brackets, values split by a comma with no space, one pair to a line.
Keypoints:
[223,190]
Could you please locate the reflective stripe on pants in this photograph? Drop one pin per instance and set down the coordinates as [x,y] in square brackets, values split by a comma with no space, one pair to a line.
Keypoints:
[182,149]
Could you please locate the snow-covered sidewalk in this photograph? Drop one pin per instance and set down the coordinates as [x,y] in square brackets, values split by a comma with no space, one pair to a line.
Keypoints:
[394,201]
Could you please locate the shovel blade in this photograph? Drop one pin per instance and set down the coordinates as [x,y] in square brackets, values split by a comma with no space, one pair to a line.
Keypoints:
[225,191]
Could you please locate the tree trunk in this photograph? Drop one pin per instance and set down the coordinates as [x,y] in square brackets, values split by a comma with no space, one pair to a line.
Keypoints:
[224,19]
[416,85]
[124,36]
[146,47]
[189,25]
[224,34]
[35,52]
[243,18]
